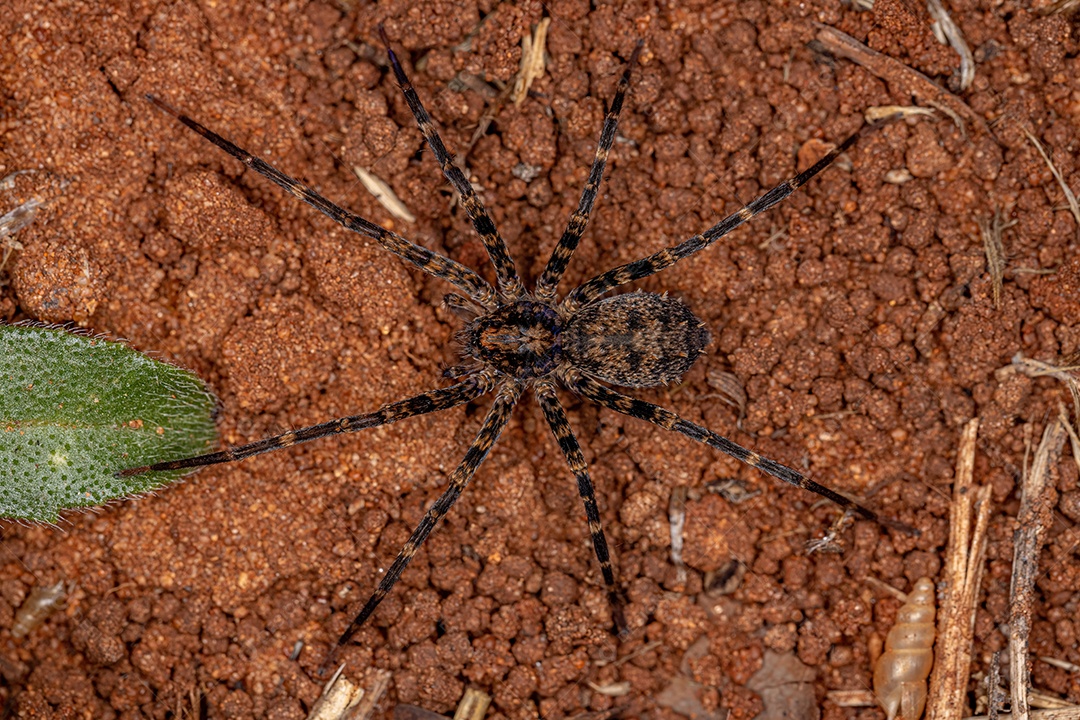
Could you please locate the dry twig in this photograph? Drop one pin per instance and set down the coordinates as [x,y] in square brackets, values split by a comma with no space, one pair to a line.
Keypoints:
[963,570]
[994,696]
[1036,513]
[902,78]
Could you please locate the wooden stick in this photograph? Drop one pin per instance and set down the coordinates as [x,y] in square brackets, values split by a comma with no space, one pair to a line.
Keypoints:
[964,560]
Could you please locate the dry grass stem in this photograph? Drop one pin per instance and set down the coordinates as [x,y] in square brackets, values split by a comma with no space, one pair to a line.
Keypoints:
[473,706]
[532,61]
[1037,368]
[1036,513]
[386,197]
[901,78]
[1059,663]
[1047,701]
[992,230]
[1074,206]
[964,560]
[952,35]
[886,587]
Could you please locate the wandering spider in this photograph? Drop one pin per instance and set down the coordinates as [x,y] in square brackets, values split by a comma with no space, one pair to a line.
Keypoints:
[514,339]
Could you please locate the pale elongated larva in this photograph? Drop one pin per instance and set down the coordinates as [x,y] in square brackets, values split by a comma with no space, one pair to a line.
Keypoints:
[901,672]
[38,606]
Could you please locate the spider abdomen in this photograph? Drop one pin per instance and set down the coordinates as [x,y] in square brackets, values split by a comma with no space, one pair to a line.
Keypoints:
[635,340]
[521,339]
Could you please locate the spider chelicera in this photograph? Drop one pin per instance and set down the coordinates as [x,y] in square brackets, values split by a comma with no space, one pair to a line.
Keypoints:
[514,339]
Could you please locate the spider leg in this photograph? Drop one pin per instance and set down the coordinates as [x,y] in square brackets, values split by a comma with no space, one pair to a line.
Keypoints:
[430,262]
[431,401]
[668,420]
[571,450]
[601,284]
[560,257]
[510,286]
[496,420]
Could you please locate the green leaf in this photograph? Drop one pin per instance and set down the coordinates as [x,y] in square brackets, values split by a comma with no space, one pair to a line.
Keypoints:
[75,409]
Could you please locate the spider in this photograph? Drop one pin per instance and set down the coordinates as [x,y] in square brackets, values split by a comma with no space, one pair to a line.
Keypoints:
[514,339]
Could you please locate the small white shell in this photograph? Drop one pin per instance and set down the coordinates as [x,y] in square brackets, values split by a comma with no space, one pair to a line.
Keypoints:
[901,672]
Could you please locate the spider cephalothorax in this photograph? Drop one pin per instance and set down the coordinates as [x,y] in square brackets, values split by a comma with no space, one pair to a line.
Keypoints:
[513,339]
[521,340]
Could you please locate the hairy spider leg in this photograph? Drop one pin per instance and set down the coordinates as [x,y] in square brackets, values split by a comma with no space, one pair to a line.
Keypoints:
[428,402]
[560,257]
[668,420]
[571,450]
[496,420]
[643,268]
[465,279]
[510,287]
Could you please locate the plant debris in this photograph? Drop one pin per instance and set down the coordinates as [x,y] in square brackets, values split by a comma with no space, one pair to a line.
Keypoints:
[1070,197]
[532,61]
[962,577]
[948,32]
[992,229]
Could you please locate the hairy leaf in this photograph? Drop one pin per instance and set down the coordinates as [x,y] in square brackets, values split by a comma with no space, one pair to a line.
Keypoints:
[75,409]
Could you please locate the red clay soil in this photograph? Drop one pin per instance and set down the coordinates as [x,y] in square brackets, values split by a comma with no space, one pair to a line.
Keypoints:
[858,316]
